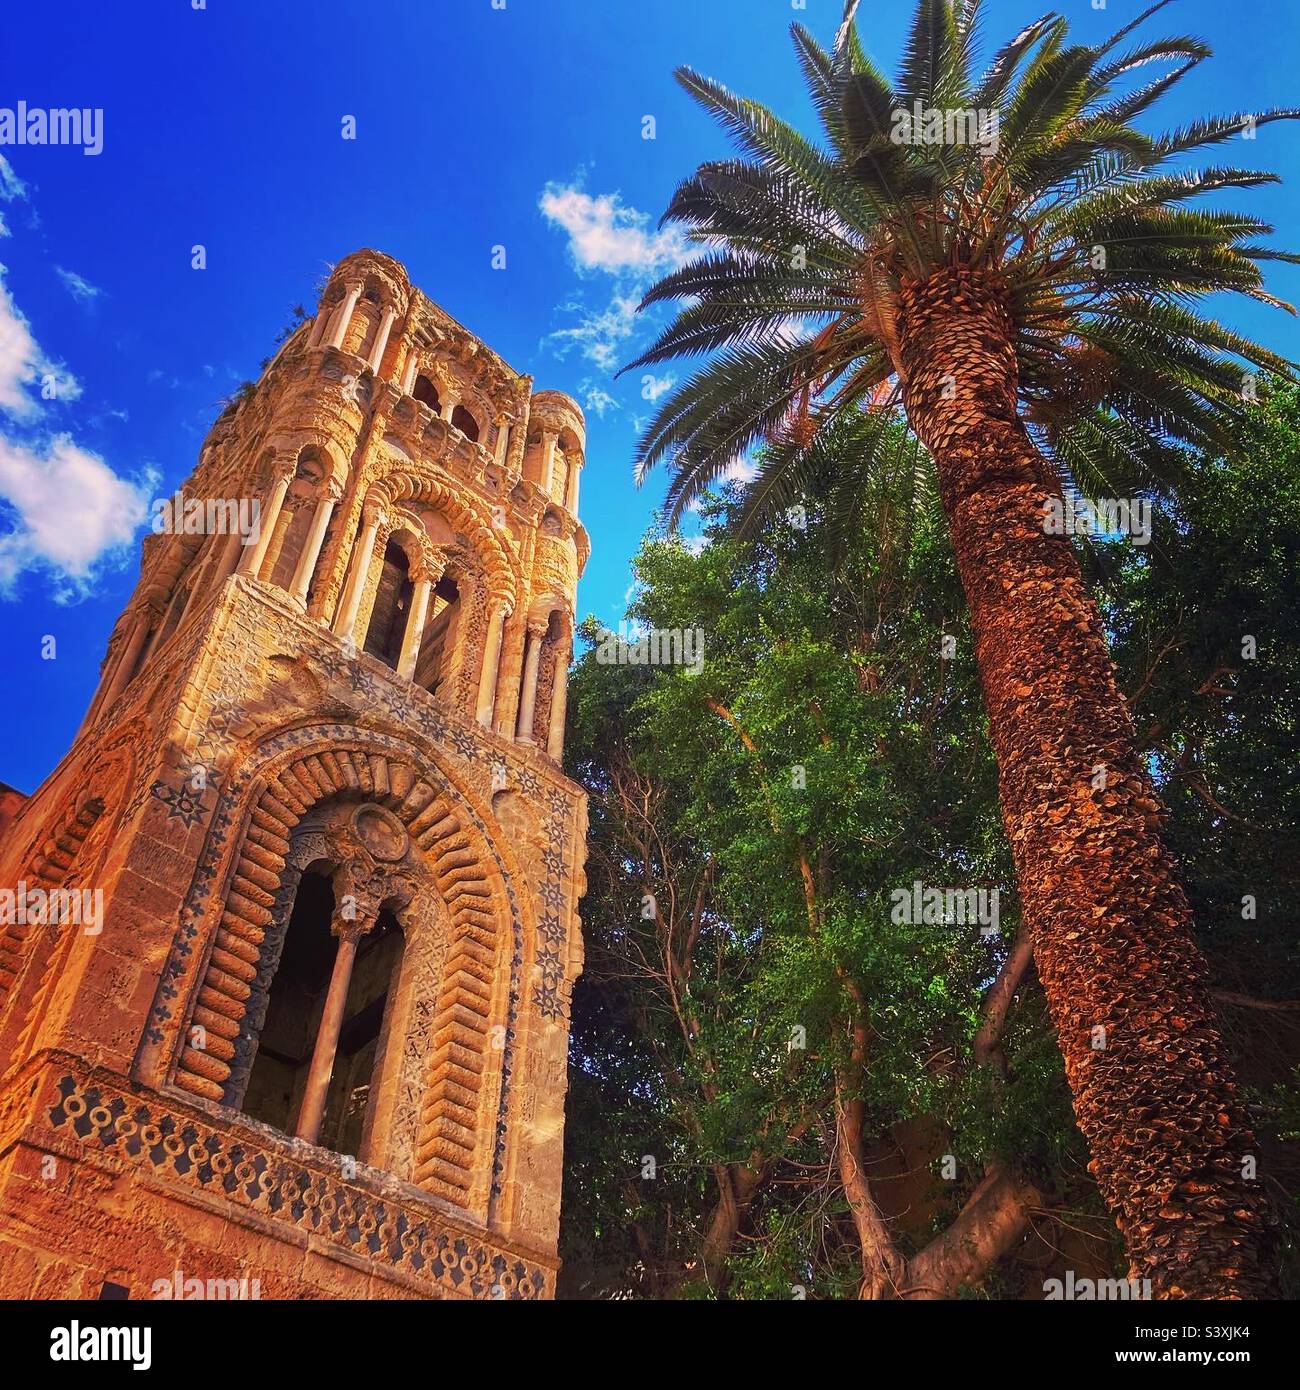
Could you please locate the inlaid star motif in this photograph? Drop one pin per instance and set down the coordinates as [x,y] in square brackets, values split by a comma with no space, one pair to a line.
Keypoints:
[182,804]
[547,1001]
[550,964]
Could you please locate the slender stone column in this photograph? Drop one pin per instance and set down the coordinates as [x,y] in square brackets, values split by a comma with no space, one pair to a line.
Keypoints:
[381,338]
[450,400]
[575,471]
[549,438]
[345,314]
[528,687]
[254,554]
[362,553]
[425,579]
[559,702]
[318,328]
[230,555]
[487,681]
[128,655]
[315,539]
[288,515]
[312,1110]
[411,369]
[503,438]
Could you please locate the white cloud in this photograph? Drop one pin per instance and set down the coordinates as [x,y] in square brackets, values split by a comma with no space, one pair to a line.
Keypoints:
[63,507]
[12,189]
[741,470]
[22,363]
[596,400]
[605,235]
[77,286]
[599,333]
[69,509]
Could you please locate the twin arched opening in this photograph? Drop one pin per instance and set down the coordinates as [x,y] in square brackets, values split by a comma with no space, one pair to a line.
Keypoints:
[462,418]
[408,846]
[415,616]
[326,1043]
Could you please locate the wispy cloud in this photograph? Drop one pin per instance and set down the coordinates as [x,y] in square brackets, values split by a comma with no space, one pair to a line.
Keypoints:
[607,238]
[69,510]
[595,399]
[12,189]
[23,364]
[65,508]
[606,235]
[78,286]
[599,333]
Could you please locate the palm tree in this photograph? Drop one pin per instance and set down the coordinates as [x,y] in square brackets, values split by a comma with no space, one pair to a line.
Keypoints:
[1026,292]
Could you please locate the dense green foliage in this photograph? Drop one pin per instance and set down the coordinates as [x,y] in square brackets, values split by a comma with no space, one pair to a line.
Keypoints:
[832,738]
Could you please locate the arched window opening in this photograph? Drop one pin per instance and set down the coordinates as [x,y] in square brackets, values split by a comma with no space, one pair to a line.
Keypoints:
[320,574]
[294,1006]
[548,674]
[560,476]
[465,423]
[363,1040]
[427,392]
[439,639]
[392,604]
[287,1043]
[533,458]
[175,612]
[294,522]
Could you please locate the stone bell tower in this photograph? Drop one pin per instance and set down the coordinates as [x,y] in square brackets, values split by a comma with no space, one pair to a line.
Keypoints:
[284,994]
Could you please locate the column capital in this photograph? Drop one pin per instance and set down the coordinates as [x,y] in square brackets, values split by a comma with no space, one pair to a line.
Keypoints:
[538,627]
[429,569]
[333,489]
[358,910]
[350,929]
[284,464]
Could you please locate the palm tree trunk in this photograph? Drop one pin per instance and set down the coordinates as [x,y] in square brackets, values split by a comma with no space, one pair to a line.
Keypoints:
[1153,1090]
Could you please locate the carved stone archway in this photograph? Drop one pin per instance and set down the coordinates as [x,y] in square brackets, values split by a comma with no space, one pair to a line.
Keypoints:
[462,1090]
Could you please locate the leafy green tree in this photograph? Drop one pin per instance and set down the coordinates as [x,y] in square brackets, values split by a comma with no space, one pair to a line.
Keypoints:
[1008,258]
[748,986]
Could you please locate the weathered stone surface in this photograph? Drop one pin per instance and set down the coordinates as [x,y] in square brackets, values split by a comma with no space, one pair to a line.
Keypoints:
[374,683]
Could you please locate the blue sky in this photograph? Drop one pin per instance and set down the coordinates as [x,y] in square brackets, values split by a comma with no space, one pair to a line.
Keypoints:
[476,127]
